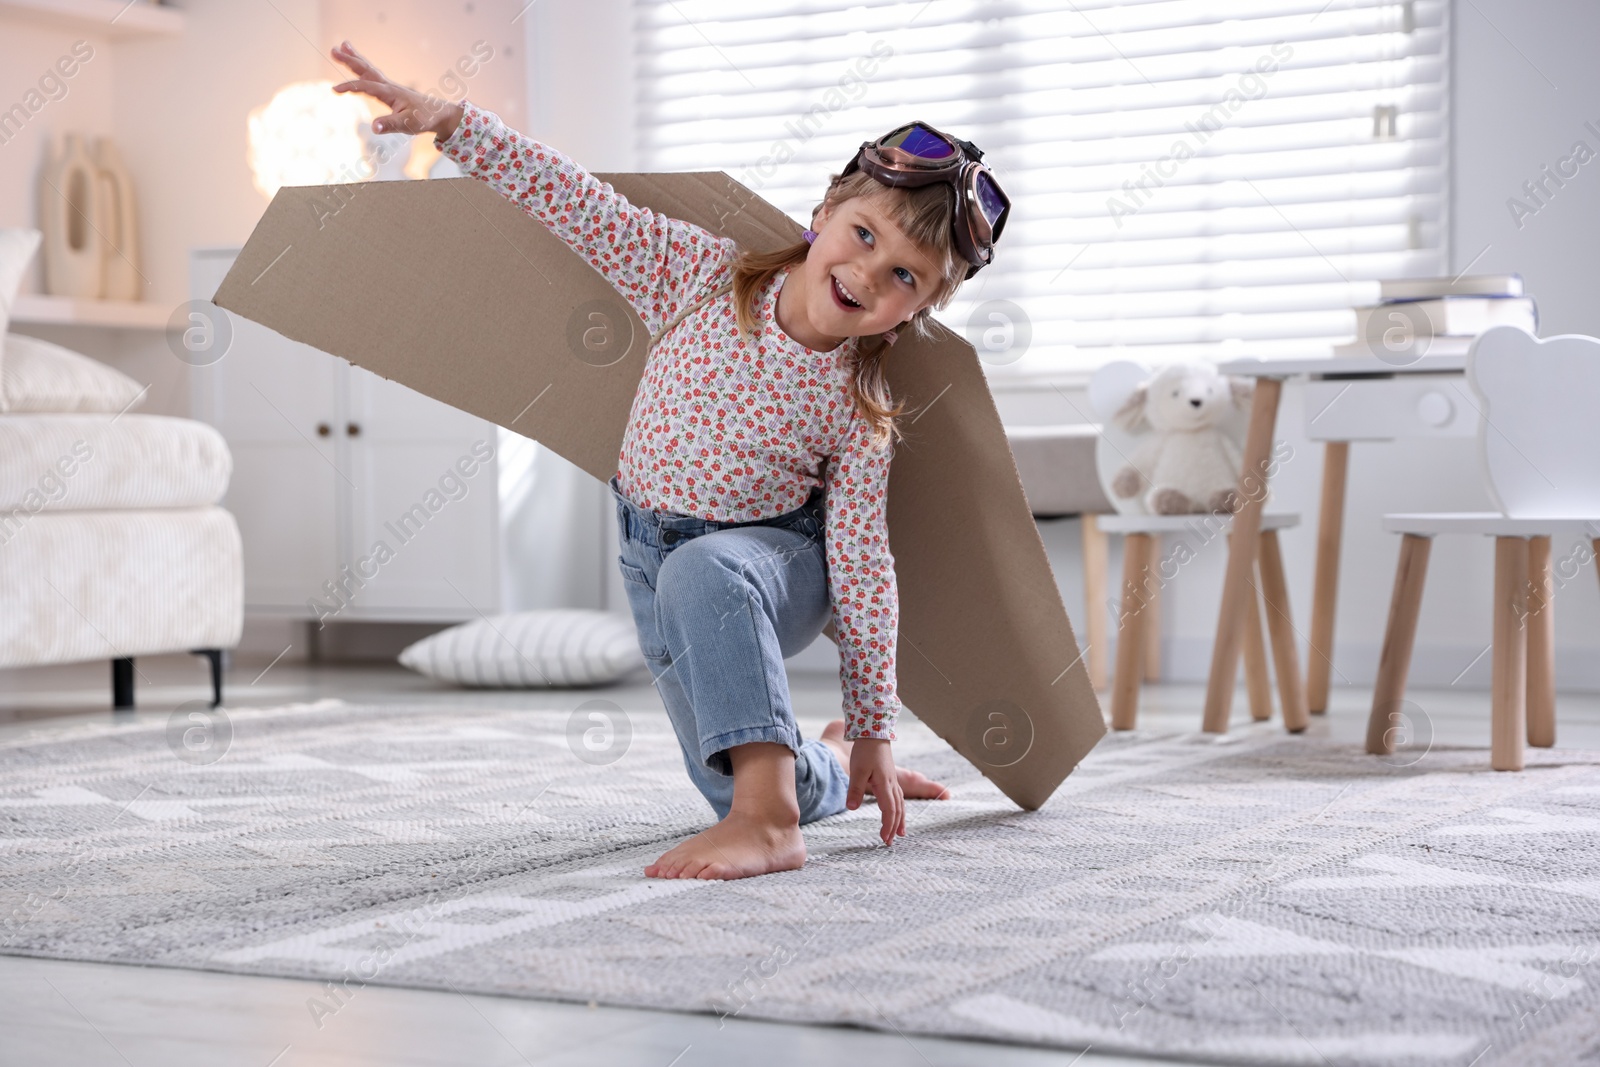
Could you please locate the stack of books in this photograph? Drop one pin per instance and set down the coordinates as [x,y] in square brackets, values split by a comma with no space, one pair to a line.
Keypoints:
[1417,317]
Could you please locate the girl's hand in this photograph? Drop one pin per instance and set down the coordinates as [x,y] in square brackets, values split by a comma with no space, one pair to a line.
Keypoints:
[410,111]
[872,765]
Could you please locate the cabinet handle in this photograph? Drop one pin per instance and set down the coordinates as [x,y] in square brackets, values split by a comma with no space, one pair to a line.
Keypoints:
[323,429]
[353,429]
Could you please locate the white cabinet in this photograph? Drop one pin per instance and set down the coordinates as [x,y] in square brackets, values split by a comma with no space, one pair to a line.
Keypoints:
[357,498]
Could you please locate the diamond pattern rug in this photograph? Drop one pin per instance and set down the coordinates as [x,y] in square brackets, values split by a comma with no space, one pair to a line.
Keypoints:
[1262,899]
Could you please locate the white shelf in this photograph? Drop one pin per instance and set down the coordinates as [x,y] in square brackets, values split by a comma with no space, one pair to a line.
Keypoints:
[114,18]
[36,310]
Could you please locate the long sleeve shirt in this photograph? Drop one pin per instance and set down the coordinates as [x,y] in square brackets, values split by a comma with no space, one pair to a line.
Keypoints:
[723,427]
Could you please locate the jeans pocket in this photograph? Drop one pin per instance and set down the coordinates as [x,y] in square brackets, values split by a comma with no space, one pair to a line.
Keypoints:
[630,573]
[642,603]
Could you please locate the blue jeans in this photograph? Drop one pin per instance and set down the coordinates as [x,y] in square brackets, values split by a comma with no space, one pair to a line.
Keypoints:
[718,606]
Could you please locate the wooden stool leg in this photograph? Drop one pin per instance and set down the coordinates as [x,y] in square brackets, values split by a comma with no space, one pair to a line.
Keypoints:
[1152,613]
[1325,592]
[1541,645]
[1130,632]
[1398,639]
[1257,461]
[1508,711]
[1285,659]
[1095,566]
[1255,663]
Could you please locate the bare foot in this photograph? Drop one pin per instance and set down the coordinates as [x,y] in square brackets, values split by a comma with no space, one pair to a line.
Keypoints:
[737,847]
[914,784]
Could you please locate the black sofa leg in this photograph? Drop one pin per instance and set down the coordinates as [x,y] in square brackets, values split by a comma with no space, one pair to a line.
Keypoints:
[122,683]
[214,657]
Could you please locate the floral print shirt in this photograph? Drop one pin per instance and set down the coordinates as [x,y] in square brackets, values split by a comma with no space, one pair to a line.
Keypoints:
[724,427]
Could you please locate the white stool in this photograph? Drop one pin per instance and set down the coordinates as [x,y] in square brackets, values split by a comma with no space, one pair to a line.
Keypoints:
[1139,533]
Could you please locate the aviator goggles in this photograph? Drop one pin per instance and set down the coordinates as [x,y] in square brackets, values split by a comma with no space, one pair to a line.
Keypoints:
[915,155]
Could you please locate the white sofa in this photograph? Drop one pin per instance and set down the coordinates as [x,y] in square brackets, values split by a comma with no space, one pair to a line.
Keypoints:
[112,545]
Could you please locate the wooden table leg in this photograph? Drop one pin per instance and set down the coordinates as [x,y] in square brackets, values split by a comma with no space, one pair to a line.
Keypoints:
[1242,549]
[1541,645]
[1325,592]
[1152,611]
[1130,631]
[1095,564]
[1280,629]
[1405,604]
[1508,711]
[1257,684]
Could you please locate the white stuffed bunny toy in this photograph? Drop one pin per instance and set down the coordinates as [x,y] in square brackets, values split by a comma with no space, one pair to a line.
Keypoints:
[1185,463]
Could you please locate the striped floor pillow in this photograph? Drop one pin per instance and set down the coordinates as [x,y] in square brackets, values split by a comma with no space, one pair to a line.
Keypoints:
[552,648]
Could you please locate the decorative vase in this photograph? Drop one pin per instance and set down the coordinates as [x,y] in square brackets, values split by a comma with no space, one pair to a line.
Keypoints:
[71,211]
[120,279]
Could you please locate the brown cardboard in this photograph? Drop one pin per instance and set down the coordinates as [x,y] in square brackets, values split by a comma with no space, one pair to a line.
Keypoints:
[449,288]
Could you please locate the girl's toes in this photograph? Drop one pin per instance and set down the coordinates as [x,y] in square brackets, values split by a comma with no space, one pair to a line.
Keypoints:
[666,866]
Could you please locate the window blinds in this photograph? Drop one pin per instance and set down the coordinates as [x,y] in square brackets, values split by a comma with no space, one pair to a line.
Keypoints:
[1189,179]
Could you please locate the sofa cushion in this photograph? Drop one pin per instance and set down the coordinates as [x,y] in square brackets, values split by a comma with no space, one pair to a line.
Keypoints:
[556,647]
[108,462]
[37,375]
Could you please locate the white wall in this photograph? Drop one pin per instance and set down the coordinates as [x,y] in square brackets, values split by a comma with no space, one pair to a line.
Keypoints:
[28,51]
[176,107]
[1526,84]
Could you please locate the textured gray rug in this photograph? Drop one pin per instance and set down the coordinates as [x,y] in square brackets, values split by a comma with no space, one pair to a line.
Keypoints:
[1264,900]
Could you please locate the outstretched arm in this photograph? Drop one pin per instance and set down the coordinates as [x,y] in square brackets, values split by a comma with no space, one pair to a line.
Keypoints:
[658,263]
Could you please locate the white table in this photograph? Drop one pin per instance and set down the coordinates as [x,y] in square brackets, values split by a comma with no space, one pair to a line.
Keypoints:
[1347,399]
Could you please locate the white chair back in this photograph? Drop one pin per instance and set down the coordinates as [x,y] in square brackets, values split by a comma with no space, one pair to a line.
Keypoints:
[1539,430]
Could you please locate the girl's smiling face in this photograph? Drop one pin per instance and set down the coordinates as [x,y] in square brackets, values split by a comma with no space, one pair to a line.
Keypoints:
[862,276]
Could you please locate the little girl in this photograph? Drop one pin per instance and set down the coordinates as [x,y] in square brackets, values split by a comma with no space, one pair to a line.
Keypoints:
[751,484]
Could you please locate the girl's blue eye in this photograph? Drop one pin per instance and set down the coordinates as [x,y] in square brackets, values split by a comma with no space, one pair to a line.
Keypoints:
[909,278]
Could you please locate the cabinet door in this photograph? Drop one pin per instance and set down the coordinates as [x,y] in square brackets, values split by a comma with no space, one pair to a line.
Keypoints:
[277,402]
[424,528]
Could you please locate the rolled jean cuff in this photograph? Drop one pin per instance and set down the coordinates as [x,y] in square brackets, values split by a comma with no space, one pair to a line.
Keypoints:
[714,750]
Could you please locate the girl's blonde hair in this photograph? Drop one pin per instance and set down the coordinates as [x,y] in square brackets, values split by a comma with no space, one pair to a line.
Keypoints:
[923,214]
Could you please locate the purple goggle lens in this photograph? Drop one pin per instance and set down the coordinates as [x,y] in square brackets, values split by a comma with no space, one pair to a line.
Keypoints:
[989,201]
[922,143]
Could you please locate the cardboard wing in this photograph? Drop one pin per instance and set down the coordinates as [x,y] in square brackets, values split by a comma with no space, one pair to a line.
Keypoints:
[448,288]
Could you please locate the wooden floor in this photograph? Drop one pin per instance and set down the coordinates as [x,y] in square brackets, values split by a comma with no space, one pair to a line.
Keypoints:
[85,1014]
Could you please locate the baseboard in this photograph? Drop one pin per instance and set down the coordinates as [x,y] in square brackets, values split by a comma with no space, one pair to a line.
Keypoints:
[336,642]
